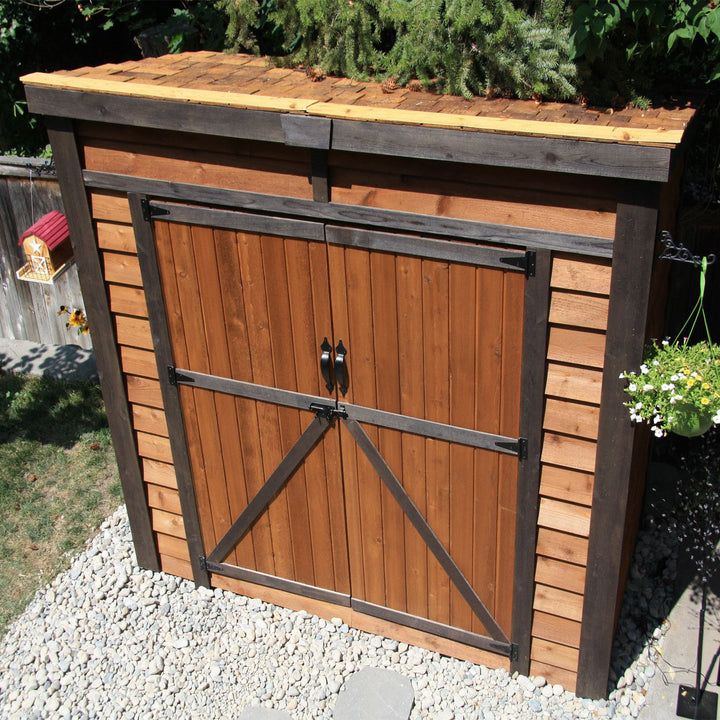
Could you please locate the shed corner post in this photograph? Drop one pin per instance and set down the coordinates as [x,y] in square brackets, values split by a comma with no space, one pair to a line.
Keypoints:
[69,172]
[537,301]
[633,251]
[144,236]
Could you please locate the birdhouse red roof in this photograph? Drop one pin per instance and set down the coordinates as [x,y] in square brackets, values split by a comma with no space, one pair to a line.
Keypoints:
[52,229]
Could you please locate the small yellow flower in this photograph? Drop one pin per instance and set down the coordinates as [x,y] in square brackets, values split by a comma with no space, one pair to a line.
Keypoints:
[704,401]
[690,382]
[705,386]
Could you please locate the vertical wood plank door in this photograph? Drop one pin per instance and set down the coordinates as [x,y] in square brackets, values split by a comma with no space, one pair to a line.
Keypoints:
[432,333]
[247,307]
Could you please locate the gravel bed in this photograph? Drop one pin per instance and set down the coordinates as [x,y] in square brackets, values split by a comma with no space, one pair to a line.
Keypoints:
[106,640]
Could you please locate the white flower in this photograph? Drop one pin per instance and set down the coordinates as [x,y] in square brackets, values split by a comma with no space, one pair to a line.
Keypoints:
[621,375]
[675,377]
[644,369]
[659,432]
[656,363]
[716,418]
[635,417]
[647,387]
[667,386]
[632,387]
[665,343]
[657,419]
[638,406]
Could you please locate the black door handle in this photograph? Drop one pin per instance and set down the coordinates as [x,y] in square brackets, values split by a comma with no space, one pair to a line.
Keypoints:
[325,364]
[341,371]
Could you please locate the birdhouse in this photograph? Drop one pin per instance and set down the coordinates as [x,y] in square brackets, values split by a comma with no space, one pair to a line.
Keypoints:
[47,248]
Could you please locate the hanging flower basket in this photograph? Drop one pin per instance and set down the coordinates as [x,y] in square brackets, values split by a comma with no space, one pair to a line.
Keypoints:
[677,389]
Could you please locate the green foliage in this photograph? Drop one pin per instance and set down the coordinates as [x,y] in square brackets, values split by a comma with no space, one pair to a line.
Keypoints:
[459,46]
[48,35]
[632,47]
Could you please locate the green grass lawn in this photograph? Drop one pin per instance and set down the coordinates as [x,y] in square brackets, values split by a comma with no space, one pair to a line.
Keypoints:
[58,481]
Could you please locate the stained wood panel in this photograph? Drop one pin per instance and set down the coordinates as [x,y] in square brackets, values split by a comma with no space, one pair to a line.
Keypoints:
[579,347]
[163,499]
[159,473]
[562,546]
[138,362]
[143,391]
[154,447]
[573,383]
[560,574]
[566,484]
[147,419]
[168,523]
[121,268]
[581,274]
[241,301]
[125,300]
[112,207]
[415,353]
[465,200]
[115,237]
[172,546]
[134,332]
[557,629]
[580,310]
[248,172]
[570,418]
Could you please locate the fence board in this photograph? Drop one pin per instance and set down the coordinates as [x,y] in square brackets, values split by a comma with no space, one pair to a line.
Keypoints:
[28,311]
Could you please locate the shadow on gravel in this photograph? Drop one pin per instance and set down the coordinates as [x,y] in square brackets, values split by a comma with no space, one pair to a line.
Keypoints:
[662,569]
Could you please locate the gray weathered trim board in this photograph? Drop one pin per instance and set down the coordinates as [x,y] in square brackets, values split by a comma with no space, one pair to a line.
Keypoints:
[424,247]
[479,232]
[584,157]
[627,314]
[92,283]
[236,220]
[372,416]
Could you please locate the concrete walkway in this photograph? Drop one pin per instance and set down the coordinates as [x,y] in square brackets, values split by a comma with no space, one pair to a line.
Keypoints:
[677,663]
[65,362]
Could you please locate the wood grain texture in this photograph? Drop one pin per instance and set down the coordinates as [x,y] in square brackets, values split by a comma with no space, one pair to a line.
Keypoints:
[176,566]
[168,523]
[558,602]
[110,206]
[569,452]
[565,484]
[121,268]
[581,274]
[571,418]
[556,573]
[555,655]
[115,237]
[125,300]
[143,391]
[134,332]
[138,362]
[172,546]
[159,473]
[573,383]
[575,309]
[564,516]
[557,629]
[154,447]
[148,419]
[562,546]
[579,347]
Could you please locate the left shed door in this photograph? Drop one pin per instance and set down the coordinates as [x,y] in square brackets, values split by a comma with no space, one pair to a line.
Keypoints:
[247,299]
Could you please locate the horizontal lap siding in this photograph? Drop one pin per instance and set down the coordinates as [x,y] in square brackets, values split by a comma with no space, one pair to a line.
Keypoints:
[118,253]
[576,346]
[519,198]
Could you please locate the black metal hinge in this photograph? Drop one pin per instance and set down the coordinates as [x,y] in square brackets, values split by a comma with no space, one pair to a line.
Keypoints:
[150,211]
[519,447]
[329,412]
[526,262]
[174,377]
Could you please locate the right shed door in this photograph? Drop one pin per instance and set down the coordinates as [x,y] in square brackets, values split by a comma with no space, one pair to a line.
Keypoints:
[433,332]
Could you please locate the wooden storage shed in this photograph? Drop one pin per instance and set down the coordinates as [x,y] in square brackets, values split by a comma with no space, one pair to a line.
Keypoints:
[360,350]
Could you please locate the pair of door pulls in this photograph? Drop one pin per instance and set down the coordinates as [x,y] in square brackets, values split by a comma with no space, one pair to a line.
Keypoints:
[334,372]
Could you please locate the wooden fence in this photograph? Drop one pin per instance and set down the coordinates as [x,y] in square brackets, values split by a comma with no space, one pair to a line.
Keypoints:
[28,311]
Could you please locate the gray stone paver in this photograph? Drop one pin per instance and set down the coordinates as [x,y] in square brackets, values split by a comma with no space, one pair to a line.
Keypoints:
[375,694]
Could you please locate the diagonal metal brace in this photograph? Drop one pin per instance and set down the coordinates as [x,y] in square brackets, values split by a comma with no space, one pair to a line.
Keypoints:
[425,531]
[273,485]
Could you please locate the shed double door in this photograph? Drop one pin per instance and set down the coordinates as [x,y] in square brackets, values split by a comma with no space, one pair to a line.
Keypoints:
[349,403]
